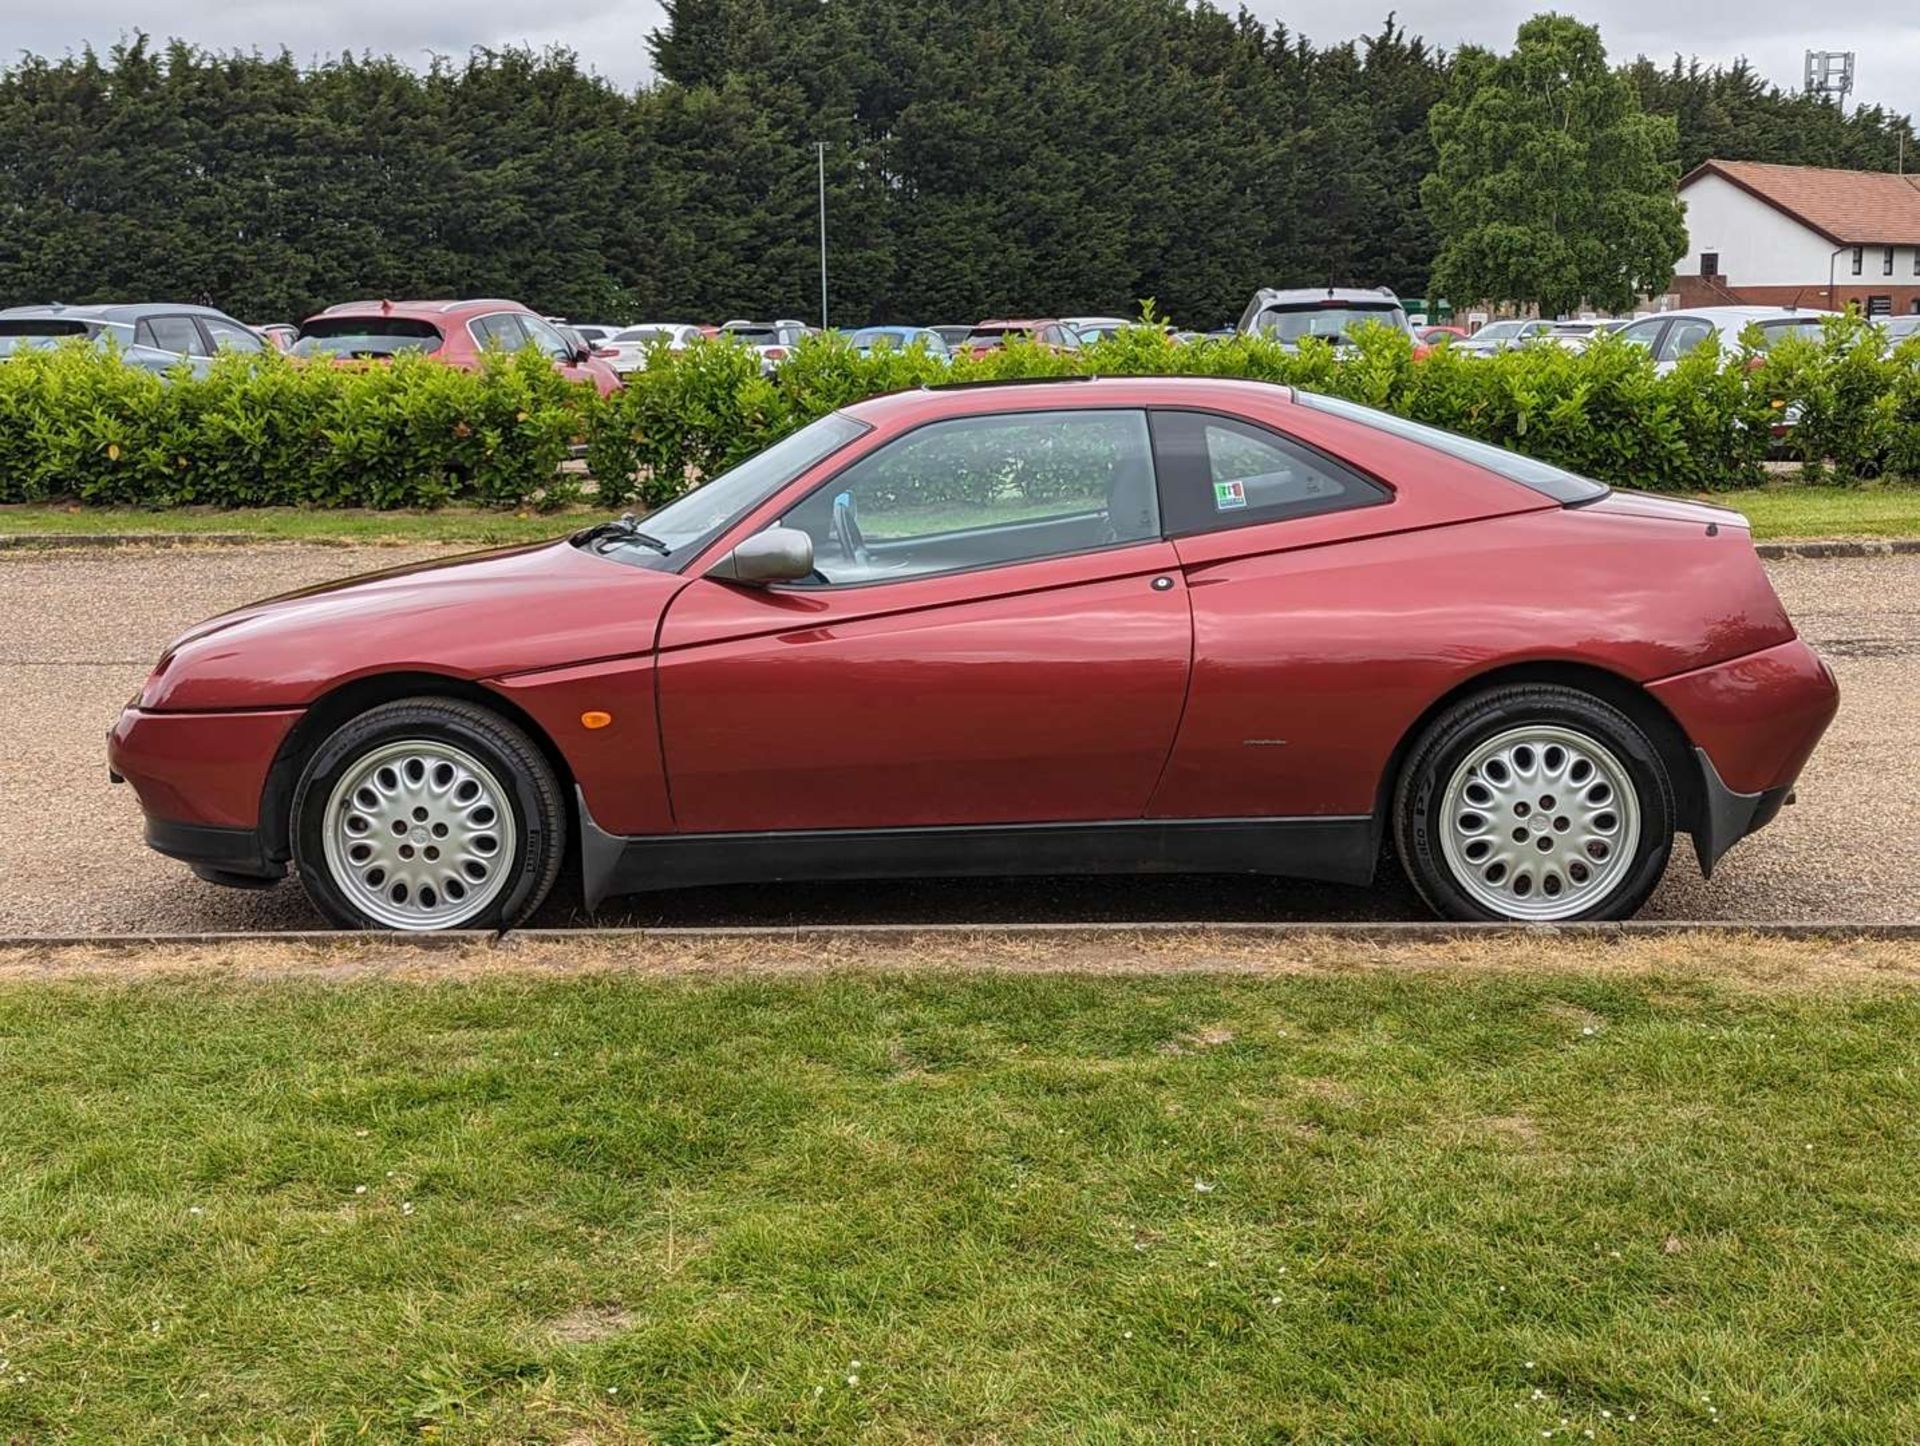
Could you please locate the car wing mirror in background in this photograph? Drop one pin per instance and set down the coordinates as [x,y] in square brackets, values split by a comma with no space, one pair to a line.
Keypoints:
[780,554]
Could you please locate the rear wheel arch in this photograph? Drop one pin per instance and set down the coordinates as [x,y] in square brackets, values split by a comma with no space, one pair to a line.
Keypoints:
[1647,713]
[328,712]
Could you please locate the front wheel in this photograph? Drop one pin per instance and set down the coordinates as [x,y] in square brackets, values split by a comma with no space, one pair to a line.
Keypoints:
[428,813]
[1534,804]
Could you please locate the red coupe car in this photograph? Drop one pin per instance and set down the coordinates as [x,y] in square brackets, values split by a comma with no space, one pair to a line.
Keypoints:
[1064,627]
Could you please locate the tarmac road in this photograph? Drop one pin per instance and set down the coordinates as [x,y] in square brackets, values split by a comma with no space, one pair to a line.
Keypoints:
[79,630]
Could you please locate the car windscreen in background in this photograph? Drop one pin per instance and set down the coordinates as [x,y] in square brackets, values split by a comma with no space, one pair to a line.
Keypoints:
[1772,331]
[754,336]
[1290,323]
[985,338]
[1567,488]
[641,336]
[366,336]
[36,333]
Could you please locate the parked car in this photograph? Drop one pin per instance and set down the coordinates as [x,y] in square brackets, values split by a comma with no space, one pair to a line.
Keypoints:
[1332,314]
[1498,336]
[1048,332]
[629,347]
[1246,629]
[280,335]
[455,332]
[155,335]
[595,333]
[1670,335]
[1093,328]
[1440,335]
[1899,328]
[1575,334]
[869,339]
[774,340]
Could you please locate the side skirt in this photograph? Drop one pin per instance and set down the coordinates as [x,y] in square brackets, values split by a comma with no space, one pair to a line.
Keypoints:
[1340,850]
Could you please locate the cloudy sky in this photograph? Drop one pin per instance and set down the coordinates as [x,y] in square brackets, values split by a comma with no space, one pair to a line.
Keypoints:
[611,35]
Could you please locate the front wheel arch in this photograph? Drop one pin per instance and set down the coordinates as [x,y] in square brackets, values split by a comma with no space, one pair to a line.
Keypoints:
[328,712]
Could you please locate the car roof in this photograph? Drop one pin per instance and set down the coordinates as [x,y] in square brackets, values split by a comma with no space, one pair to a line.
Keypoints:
[1010,321]
[426,310]
[128,311]
[967,399]
[1743,314]
[1291,295]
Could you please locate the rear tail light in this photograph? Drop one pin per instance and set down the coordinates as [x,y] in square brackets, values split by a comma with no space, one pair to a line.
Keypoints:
[1421,351]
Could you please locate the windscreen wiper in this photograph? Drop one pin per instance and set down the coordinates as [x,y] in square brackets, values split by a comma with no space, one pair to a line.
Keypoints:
[624,528]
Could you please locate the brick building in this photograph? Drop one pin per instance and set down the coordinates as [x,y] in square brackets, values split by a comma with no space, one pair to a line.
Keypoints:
[1800,236]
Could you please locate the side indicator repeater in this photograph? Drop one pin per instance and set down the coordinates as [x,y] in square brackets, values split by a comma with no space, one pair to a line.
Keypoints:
[594,718]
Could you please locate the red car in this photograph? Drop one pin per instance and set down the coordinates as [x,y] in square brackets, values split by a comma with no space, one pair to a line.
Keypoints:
[455,332]
[1052,334]
[1076,626]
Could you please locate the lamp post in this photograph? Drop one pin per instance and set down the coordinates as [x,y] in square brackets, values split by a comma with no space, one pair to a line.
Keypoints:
[820,151]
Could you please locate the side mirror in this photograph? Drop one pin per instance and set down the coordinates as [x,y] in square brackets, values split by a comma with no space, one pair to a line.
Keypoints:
[780,554]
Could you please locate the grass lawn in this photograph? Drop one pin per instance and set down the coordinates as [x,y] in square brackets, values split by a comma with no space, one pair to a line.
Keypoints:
[1790,510]
[1370,1206]
[296,524]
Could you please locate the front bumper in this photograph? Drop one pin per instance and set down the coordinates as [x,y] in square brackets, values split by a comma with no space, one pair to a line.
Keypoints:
[232,856]
[201,779]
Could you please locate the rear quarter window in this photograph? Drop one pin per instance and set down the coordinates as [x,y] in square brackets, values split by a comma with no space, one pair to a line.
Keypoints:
[1564,487]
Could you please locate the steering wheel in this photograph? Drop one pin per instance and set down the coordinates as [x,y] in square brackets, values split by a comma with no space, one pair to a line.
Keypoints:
[846,530]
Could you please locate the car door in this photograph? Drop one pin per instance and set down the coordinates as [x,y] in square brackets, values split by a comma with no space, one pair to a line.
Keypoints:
[996,633]
[1285,694]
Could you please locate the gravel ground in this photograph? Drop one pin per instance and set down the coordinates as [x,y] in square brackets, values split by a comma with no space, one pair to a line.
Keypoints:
[78,631]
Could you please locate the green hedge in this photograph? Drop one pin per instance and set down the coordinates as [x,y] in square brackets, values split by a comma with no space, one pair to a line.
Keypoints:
[1604,412]
[265,431]
[76,423]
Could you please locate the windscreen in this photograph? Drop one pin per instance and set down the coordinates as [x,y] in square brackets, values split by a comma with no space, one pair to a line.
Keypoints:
[985,338]
[1543,477]
[366,336]
[641,336]
[1329,320]
[691,520]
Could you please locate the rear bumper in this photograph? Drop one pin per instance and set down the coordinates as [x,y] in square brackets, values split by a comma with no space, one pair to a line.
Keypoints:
[1753,721]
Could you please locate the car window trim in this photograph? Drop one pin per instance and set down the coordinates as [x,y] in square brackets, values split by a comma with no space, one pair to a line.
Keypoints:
[816,589]
[1388,492]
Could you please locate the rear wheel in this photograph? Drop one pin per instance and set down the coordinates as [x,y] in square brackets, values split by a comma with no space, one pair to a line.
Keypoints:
[1534,804]
[428,813]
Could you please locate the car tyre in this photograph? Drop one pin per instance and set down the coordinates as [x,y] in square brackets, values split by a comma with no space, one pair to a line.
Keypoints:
[1534,803]
[425,814]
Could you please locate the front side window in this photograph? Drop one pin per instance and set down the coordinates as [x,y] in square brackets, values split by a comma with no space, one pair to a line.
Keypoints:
[501,329]
[546,338]
[1683,336]
[983,492]
[229,337]
[171,333]
[1217,472]
[1644,333]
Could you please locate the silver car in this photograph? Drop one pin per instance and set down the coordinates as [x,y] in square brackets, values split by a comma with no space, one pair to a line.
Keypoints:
[1670,335]
[155,335]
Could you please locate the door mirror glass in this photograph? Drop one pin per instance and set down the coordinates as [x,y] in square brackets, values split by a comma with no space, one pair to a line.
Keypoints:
[780,554]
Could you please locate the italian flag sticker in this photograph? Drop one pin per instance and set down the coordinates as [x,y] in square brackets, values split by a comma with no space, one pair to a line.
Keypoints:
[1229,494]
